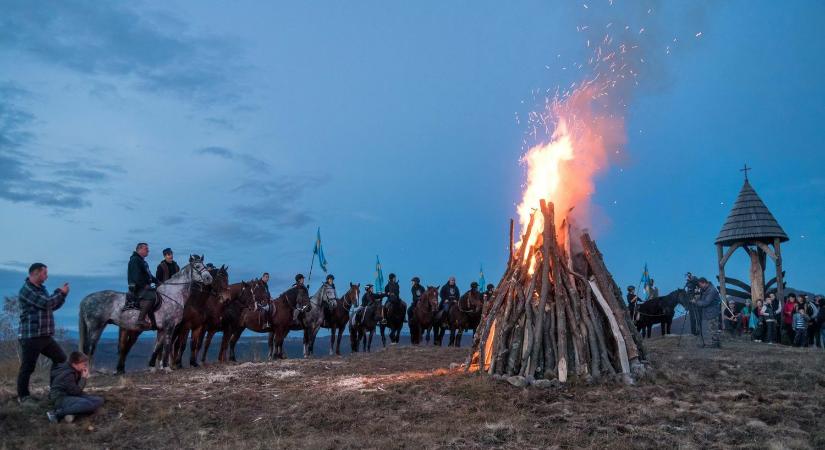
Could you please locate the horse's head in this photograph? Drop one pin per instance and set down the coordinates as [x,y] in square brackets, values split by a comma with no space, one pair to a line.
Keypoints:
[430,298]
[352,295]
[220,283]
[200,274]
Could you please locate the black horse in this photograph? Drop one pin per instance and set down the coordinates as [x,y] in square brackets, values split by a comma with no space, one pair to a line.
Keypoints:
[660,310]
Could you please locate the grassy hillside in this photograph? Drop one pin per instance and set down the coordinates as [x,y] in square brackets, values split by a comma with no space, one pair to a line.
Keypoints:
[745,395]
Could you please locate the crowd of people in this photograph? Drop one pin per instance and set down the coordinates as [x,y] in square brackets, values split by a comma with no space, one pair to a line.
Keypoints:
[797,320]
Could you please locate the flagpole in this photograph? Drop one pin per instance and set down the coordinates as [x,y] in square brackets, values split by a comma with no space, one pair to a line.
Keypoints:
[311,265]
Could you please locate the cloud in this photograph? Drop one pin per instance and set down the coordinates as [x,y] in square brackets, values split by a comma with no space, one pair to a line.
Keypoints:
[24,179]
[251,162]
[155,50]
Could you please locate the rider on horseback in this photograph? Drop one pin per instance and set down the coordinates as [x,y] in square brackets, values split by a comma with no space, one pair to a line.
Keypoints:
[370,299]
[488,294]
[326,293]
[449,294]
[299,283]
[140,285]
[417,291]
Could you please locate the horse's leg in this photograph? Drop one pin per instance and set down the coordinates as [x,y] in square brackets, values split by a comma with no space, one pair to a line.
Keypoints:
[383,338]
[206,344]
[195,345]
[458,336]
[166,340]
[369,341]
[306,342]
[338,341]
[270,341]
[332,330]
[225,336]
[94,338]
[232,341]
[122,340]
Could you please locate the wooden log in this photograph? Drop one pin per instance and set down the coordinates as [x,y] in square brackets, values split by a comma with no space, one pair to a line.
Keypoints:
[510,259]
[544,274]
[549,344]
[527,342]
[604,282]
[615,327]
[561,316]
[597,321]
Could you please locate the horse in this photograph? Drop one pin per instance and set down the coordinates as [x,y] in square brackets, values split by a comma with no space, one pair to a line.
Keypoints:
[243,312]
[99,309]
[421,316]
[203,305]
[337,317]
[394,311]
[660,310]
[461,316]
[362,327]
[311,321]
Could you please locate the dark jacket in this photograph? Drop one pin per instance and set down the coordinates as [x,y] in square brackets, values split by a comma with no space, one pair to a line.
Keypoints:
[371,298]
[392,288]
[450,292]
[486,296]
[166,270]
[65,381]
[37,310]
[139,275]
[710,302]
[417,291]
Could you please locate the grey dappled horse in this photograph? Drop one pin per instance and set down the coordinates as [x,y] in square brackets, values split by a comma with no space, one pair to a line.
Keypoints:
[102,308]
[311,322]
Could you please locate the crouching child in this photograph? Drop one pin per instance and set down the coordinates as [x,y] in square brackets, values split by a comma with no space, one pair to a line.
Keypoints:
[66,392]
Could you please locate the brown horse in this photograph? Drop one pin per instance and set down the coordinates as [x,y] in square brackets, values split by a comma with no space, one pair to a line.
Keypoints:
[252,308]
[394,311]
[336,319]
[422,314]
[362,327]
[205,302]
[461,316]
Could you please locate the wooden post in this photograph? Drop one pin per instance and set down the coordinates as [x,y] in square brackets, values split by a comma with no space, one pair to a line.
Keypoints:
[780,289]
[722,262]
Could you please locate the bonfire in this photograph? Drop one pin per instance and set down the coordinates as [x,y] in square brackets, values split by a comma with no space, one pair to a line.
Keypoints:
[557,313]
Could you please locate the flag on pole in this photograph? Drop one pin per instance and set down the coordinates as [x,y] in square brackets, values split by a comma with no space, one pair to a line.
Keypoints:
[379,276]
[482,283]
[319,251]
[645,281]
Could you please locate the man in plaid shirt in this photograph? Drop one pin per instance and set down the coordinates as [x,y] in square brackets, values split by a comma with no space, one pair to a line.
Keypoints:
[37,326]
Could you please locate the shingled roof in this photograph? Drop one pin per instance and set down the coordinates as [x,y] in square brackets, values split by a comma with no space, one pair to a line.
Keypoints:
[750,220]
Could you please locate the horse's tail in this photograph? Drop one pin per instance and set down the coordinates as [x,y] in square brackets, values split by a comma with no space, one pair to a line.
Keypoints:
[82,332]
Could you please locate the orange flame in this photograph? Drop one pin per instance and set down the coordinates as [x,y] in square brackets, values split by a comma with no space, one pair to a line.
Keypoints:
[562,170]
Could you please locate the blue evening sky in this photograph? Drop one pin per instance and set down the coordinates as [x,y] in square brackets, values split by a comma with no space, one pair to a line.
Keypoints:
[236,129]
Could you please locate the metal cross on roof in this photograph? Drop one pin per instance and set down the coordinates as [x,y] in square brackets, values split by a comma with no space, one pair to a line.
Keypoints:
[746,169]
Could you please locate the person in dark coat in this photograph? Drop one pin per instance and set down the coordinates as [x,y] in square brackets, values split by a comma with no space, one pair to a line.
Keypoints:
[36,331]
[370,298]
[168,267]
[489,293]
[299,283]
[265,281]
[66,390]
[709,304]
[449,293]
[392,286]
[140,285]
[417,290]
[632,302]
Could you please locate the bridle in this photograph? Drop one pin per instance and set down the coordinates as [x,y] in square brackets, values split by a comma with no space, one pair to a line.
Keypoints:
[192,268]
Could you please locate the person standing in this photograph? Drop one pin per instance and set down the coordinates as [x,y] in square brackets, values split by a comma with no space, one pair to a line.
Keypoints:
[36,334]
[140,285]
[800,327]
[819,321]
[168,267]
[709,303]
[632,302]
[769,313]
[66,390]
[787,319]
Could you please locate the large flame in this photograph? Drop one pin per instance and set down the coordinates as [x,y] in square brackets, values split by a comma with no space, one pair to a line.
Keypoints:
[562,170]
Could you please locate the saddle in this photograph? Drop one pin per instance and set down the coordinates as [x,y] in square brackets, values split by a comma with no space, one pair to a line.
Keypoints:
[133,302]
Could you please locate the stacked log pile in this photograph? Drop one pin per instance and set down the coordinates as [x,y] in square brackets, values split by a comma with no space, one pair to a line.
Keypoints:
[556,315]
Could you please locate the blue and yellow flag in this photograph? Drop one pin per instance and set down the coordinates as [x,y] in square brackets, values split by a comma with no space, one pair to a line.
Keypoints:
[482,283]
[645,281]
[319,251]
[379,276]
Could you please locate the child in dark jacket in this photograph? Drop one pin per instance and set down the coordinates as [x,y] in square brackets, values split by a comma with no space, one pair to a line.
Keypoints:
[66,392]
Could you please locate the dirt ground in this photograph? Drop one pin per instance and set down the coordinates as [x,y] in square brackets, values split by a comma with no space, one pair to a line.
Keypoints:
[746,395]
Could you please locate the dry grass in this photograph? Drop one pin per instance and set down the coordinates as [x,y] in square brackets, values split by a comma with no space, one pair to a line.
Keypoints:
[745,395]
